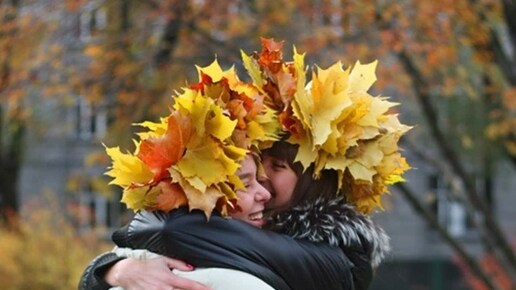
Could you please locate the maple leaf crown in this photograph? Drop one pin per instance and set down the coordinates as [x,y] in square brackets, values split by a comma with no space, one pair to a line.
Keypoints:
[191,156]
[335,122]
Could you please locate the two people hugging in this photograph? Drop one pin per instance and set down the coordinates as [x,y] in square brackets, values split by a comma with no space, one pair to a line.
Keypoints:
[266,184]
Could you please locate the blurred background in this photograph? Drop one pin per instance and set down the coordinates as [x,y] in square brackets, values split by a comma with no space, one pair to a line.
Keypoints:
[75,74]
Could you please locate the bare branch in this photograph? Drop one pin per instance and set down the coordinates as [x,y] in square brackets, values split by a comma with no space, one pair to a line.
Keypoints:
[502,59]
[171,32]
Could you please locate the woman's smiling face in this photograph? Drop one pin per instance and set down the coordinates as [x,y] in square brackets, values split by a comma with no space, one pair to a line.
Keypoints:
[252,200]
[281,181]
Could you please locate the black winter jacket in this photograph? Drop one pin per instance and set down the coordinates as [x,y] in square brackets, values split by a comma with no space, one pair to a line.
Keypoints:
[337,223]
[277,259]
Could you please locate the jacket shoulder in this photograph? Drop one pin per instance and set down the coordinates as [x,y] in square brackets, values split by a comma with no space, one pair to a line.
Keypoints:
[337,223]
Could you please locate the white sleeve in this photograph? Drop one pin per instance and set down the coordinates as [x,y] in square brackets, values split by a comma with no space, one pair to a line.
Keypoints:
[135,254]
[225,279]
[214,278]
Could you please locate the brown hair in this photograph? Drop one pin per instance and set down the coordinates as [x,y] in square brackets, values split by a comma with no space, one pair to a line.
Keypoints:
[308,188]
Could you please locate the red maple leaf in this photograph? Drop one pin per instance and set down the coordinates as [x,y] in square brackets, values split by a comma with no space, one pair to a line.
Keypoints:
[161,153]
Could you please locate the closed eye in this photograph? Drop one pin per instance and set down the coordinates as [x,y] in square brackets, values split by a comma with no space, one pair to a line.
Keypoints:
[279,165]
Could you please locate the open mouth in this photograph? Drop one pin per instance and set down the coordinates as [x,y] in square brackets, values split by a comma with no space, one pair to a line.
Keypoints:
[257,216]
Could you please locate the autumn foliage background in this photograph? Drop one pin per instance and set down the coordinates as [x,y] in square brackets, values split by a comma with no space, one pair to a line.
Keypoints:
[451,63]
[44,250]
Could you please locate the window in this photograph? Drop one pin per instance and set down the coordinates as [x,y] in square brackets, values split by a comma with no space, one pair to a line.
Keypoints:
[94,210]
[449,210]
[91,120]
[91,20]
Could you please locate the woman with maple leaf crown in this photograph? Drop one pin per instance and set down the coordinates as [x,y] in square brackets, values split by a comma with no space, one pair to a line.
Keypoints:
[318,179]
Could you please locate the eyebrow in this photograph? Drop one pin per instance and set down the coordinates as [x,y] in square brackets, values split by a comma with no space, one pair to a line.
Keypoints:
[245,175]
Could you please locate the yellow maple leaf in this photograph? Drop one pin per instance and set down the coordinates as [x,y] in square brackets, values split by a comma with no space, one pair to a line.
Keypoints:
[256,131]
[215,71]
[127,169]
[204,200]
[305,154]
[362,76]
[154,129]
[219,125]
[236,182]
[391,123]
[208,162]
[137,198]
[359,108]
[302,101]
[392,168]
[269,130]
[330,98]
[361,172]
[253,69]
[377,108]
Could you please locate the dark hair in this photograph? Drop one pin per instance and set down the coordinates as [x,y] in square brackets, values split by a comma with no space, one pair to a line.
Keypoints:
[308,188]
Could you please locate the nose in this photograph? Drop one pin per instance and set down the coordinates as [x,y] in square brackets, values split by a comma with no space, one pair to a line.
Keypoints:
[262,193]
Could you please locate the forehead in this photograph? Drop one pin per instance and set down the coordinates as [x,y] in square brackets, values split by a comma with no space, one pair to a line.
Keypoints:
[248,166]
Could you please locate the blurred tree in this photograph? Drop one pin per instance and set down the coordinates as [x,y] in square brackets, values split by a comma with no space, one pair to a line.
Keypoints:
[19,35]
[464,80]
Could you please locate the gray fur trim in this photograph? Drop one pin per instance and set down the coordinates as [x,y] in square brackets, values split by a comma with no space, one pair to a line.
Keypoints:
[337,223]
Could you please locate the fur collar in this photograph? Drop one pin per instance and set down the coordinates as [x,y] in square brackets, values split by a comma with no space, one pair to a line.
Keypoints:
[335,222]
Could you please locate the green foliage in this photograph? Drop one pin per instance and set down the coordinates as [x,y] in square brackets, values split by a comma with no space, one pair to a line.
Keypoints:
[44,251]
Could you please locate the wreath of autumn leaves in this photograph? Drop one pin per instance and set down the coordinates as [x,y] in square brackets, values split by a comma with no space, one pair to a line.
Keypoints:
[192,155]
[337,124]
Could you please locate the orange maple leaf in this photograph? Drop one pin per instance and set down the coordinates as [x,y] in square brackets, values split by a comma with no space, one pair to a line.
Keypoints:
[205,80]
[161,153]
[280,76]
[171,197]
[238,112]
[255,105]
[273,93]
[271,55]
[290,123]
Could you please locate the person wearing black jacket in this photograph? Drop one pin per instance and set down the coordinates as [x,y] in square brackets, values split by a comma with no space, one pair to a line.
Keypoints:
[280,261]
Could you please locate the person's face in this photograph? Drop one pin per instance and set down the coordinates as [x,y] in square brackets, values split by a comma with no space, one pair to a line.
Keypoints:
[252,201]
[281,181]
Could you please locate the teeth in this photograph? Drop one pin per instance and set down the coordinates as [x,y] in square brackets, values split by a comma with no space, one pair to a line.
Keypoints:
[256,216]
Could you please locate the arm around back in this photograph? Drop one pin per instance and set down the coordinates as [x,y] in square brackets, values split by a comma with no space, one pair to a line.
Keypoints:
[282,262]
[92,277]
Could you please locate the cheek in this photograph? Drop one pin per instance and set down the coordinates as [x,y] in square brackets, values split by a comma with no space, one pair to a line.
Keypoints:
[267,167]
[284,187]
[285,192]
[245,203]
